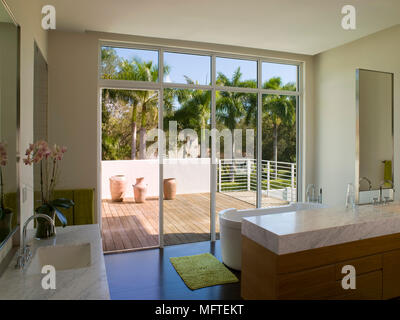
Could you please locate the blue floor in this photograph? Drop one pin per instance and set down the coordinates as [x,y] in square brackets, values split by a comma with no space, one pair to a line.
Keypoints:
[149,275]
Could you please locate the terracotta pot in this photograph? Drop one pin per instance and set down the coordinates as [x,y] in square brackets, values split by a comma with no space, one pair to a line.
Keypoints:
[140,190]
[118,188]
[169,189]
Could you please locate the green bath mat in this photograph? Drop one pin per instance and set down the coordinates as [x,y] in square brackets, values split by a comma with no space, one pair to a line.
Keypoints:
[203,270]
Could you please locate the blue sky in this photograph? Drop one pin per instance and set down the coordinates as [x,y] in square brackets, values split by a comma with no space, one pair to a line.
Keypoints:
[198,68]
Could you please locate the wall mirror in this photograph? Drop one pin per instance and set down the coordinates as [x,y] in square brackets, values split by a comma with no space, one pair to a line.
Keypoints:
[40,110]
[9,123]
[374,154]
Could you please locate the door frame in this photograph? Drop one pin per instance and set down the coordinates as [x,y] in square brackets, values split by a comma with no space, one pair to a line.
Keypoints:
[213,88]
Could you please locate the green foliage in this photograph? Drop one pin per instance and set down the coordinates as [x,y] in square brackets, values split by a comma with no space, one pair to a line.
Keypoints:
[55,205]
[4,212]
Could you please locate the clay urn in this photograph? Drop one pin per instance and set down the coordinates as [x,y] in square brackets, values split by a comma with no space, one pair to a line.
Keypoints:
[118,188]
[140,190]
[169,189]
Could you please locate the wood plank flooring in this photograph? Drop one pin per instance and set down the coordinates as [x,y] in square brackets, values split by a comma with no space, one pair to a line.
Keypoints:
[128,225]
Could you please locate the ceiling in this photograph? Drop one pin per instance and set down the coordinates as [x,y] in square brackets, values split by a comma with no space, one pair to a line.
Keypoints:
[300,26]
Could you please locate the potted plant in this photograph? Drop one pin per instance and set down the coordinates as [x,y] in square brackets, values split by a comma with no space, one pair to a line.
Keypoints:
[5,213]
[49,161]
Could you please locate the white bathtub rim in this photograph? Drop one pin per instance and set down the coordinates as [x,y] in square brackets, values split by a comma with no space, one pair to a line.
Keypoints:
[232,218]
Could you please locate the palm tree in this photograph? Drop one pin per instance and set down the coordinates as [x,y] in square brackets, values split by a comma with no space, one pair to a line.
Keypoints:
[231,106]
[109,63]
[280,110]
[137,70]
[194,111]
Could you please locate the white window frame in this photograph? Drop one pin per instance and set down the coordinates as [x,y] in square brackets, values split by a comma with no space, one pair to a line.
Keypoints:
[160,85]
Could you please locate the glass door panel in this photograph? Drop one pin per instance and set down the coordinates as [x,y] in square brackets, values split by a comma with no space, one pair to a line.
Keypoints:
[186,205]
[236,123]
[130,169]
[279,168]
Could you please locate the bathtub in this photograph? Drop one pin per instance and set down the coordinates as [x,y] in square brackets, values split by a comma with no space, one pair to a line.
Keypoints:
[230,225]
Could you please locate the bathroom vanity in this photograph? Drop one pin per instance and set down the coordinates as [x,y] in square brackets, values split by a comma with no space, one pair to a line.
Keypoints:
[77,255]
[300,255]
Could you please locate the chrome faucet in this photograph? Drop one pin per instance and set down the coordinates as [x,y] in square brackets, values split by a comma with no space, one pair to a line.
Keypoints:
[366,179]
[381,189]
[25,253]
[310,198]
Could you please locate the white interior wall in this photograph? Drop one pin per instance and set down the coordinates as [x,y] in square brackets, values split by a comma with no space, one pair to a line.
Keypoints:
[335,108]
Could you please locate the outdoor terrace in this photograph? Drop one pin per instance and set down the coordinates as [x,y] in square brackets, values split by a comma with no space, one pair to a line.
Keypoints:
[128,225]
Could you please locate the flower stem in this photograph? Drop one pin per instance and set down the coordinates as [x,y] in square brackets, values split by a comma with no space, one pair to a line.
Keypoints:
[2,192]
[41,181]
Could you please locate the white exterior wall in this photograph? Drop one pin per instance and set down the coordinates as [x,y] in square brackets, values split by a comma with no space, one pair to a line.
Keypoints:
[192,175]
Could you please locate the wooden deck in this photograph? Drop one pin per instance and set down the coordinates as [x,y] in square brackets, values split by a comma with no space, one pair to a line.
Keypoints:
[128,225]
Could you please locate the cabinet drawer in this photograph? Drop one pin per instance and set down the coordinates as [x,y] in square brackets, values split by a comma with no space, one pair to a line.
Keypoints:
[368,287]
[299,285]
[362,265]
[391,274]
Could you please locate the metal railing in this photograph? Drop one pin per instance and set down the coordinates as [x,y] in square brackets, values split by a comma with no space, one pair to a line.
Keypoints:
[278,179]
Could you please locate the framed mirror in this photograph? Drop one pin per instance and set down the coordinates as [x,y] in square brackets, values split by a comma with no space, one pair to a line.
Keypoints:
[9,124]
[374,147]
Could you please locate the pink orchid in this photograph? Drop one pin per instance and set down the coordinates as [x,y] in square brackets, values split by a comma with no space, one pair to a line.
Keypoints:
[40,151]
[48,158]
[3,154]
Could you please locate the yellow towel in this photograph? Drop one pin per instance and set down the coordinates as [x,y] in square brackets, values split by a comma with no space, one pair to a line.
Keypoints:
[388,172]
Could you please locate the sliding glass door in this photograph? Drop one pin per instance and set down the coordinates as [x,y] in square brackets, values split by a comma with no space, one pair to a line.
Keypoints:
[236,124]
[187,166]
[279,135]
[130,166]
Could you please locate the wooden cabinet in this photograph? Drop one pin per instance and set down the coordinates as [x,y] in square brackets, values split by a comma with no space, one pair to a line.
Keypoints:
[310,275]
[391,274]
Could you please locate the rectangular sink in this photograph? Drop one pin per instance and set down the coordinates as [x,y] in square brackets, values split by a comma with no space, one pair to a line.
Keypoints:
[62,257]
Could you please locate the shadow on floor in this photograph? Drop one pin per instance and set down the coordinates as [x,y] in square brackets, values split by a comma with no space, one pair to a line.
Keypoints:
[149,275]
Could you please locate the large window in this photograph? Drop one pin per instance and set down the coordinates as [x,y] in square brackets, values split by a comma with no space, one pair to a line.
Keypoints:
[229,125]
[187,68]
[236,72]
[129,64]
[277,76]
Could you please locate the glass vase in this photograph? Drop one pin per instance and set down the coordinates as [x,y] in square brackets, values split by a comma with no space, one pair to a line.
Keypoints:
[5,225]
[44,229]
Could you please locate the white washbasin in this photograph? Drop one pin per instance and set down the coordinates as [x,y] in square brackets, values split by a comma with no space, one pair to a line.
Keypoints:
[61,257]
[366,197]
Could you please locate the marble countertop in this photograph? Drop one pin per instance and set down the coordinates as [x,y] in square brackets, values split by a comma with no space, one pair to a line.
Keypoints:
[89,283]
[296,231]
